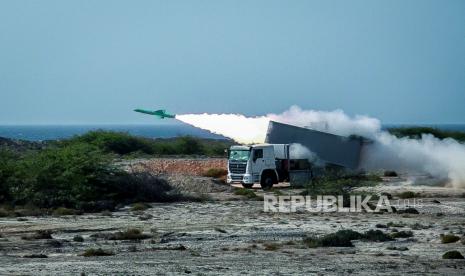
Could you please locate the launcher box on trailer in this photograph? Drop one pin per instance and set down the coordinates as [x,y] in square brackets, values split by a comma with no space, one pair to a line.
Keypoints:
[330,148]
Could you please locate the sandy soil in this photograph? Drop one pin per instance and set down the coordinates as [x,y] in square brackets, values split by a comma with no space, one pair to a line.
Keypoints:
[231,235]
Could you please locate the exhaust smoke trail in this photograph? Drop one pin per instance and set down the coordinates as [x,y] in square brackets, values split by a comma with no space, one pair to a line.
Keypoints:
[443,159]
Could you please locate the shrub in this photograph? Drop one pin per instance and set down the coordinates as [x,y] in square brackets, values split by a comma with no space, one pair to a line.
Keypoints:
[91,252]
[246,192]
[390,174]
[335,186]
[271,246]
[342,238]
[406,194]
[140,206]
[376,236]
[7,168]
[39,235]
[129,234]
[78,238]
[409,210]
[62,176]
[33,256]
[401,248]
[114,142]
[416,132]
[145,187]
[401,234]
[4,213]
[62,211]
[380,225]
[189,145]
[452,255]
[79,174]
[395,224]
[215,172]
[449,238]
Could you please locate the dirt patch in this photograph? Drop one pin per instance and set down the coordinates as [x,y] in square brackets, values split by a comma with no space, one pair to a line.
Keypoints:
[193,167]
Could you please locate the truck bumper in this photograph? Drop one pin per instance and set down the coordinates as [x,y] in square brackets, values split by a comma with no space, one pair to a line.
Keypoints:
[240,178]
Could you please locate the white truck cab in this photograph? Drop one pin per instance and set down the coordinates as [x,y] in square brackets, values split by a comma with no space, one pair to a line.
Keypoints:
[259,163]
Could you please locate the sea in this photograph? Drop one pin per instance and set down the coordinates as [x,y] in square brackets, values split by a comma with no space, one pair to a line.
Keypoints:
[57,132]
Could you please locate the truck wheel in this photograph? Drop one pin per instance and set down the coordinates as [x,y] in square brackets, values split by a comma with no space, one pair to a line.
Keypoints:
[267,181]
[248,186]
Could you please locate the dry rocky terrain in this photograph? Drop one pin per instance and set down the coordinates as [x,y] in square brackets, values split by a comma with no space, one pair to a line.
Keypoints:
[231,234]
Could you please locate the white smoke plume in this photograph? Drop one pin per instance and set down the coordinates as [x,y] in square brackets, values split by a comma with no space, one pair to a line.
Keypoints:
[245,130]
[298,151]
[443,159]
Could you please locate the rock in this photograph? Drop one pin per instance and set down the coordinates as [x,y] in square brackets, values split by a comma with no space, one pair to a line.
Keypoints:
[145,217]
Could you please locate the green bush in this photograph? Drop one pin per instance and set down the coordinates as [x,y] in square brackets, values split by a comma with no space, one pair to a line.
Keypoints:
[114,142]
[62,176]
[7,169]
[335,186]
[246,192]
[376,236]
[453,255]
[416,132]
[342,238]
[125,144]
[77,176]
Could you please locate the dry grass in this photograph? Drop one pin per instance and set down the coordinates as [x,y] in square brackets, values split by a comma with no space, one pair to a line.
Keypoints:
[129,234]
[39,235]
[449,238]
[62,211]
[140,206]
[271,246]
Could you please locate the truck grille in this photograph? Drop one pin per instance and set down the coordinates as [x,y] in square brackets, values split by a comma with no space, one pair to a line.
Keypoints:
[236,177]
[237,167]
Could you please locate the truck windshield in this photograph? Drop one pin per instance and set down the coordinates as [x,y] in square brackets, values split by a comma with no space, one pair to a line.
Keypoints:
[239,155]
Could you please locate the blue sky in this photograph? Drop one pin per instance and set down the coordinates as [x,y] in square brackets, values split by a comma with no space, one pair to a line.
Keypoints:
[94,61]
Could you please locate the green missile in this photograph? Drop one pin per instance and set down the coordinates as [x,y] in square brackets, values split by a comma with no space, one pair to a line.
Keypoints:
[158,113]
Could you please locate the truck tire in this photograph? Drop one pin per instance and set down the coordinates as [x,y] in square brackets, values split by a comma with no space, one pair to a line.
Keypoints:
[267,181]
[248,186]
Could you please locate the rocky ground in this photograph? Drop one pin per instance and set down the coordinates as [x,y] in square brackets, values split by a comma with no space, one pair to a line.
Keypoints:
[229,234]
